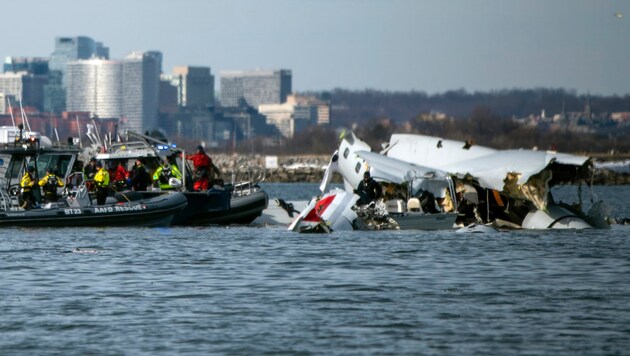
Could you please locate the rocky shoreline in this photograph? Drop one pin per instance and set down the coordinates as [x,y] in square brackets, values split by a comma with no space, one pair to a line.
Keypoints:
[310,169]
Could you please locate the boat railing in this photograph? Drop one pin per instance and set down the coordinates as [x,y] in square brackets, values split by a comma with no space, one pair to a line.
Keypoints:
[77,193]
[246,178]
[451,191]
[8,195]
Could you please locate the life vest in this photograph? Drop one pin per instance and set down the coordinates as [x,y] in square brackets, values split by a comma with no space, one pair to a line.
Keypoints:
[27,182]
[200,160]
[165,174]
[52,182]
[102,178]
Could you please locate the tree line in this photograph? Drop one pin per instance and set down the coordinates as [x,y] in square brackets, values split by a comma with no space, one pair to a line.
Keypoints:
[485,118]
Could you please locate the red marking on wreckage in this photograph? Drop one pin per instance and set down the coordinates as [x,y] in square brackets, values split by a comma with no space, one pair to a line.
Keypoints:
[320,207]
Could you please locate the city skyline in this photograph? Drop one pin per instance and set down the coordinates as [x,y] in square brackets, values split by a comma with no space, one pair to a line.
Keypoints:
[399,45]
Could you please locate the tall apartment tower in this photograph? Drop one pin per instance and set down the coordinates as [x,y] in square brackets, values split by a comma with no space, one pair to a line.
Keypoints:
[127,89]
[255,87]
[68,49]
[195,86]
[95,85]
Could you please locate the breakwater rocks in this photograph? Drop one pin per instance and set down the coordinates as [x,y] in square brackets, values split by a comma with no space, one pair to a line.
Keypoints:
[310,168]
[610,177]
[277,169]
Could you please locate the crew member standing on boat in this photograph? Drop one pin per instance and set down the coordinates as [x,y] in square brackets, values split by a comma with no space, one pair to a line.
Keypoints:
[49,185]
[203,169]
[26,188]
[368,190]
[101,181]
[89,171]
[118,175]
[140,178]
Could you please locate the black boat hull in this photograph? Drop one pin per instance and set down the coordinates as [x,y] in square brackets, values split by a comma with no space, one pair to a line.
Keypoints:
[148,212]
[241,210]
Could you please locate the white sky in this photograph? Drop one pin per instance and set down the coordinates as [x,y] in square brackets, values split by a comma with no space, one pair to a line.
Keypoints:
[430,46]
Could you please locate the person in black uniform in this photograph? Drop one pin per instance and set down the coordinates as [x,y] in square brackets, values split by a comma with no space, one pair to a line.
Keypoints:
[89,171]
[140,178]
[49,185]
[368,190]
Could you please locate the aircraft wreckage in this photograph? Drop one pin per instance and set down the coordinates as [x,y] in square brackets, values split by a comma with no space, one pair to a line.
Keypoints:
[433,183]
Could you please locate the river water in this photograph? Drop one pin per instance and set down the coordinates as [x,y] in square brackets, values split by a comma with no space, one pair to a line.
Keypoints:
[257,290]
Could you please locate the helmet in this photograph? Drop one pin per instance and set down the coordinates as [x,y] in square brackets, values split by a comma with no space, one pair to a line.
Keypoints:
[200,148]
[30,169]
[174,182]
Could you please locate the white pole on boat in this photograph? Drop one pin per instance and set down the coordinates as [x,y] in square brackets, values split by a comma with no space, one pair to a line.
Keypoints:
[57,135]
[79,131]
[184,170]
[97,134]
[15,131]
[24,118]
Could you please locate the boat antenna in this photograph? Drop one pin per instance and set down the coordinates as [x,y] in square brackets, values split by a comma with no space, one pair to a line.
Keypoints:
[98,136]
[57,135]
[12,118]
[79,131]
[24,118]
[116,136]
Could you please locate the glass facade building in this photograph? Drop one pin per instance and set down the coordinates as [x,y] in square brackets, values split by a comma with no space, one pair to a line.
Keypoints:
[72,48]
[24,86]
[32,65]
[68,49]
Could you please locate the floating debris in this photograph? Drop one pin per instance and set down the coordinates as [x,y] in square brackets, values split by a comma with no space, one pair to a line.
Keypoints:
[84,250]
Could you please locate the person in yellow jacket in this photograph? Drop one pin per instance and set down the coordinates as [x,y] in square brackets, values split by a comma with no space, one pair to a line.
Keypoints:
[49,185]
[164,173]
[26,188]
[101,180]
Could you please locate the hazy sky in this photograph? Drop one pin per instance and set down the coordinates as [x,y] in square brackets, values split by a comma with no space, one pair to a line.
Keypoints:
[430,46]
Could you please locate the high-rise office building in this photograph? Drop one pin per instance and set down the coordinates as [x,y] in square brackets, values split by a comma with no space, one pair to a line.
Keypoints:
[68,49]
[255,87]
[31,65]
[72,48]
[195,86]
[28,88]
[140,88]
[25,78]
[126,89]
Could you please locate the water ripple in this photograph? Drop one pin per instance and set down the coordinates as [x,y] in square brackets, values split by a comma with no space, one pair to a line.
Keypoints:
[243,290]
